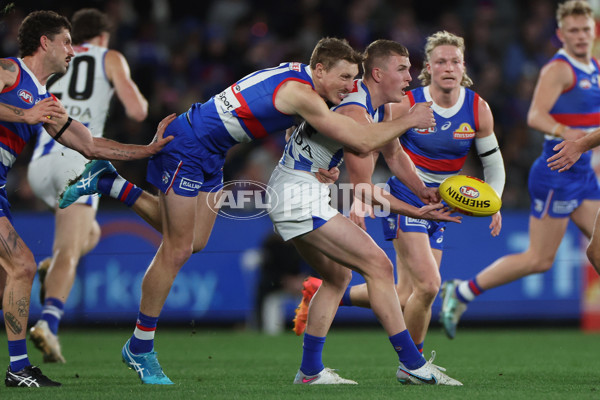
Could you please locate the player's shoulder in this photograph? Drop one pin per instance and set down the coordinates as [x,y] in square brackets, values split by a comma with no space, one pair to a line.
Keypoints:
[9,71]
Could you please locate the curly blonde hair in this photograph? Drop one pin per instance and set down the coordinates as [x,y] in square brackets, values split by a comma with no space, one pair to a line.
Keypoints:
[442,38]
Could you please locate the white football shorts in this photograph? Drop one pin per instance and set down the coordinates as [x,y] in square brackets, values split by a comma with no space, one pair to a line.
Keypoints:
[301,204]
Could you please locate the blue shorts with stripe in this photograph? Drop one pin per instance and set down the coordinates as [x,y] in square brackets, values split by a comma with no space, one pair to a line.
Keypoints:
[558,194]
[395,222]
[184,165]
[5,205]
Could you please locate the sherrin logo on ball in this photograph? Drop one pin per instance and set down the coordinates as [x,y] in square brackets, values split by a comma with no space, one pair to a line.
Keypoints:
[470,196]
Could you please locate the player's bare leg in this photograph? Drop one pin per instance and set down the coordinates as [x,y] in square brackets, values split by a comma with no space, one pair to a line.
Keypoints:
[593,249]
[421,263]
[325,301]
[76,233]
[187,224]
[147,207]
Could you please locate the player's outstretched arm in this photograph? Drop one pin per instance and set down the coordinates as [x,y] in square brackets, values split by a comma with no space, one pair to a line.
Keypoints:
[75,135]
[298,98]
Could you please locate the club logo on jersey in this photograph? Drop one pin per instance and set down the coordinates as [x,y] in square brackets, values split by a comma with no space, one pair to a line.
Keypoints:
[585,84]
[25,96]
[425,131]
[464,131]
[296,67]
[469,191]
[446,126]
[354,87]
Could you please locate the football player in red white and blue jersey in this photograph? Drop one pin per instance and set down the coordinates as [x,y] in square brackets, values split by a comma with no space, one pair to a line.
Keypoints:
[463,120]
[25,105]
[565,106]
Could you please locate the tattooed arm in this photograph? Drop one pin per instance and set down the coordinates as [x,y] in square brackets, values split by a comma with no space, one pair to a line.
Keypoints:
[38,113]
[79,138]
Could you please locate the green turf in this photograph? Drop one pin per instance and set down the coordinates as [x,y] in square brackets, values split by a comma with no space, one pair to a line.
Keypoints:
[227,364]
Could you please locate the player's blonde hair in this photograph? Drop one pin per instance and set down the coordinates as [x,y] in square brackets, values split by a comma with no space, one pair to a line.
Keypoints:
[573,7]
[442,38]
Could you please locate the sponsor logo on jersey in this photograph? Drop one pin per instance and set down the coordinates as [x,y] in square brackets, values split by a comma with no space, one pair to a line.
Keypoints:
[585,84]
[188,184]
[447,125]
[464,131]
[426,131]
[25,96]
[296,66]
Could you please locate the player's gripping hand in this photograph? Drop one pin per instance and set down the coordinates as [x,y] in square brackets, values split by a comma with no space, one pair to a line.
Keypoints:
[159,141]
[429,195]
[438,212]
[45,111]
[328,176]
[422,115]
[358,212]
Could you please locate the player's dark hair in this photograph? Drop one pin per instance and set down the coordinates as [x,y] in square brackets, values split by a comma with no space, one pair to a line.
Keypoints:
[329,51]
[89,23]
[38,24]
[377,52]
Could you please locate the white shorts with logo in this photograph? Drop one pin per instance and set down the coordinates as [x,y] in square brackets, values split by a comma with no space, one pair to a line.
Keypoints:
[48,176]
[301,204]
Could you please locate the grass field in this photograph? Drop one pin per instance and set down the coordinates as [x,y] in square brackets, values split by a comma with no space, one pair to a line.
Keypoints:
[228,364]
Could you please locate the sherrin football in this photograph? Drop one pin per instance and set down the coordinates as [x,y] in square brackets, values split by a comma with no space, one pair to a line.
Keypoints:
[470,196]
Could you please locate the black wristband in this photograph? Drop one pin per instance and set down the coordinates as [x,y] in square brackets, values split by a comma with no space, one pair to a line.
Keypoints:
[487,153]
[63,129]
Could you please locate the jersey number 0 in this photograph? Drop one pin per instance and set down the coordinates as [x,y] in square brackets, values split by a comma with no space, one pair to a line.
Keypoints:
[81,64]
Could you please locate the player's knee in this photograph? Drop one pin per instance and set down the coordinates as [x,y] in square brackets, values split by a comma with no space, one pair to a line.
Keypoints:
[179,255]
[24,269]
[428,288]
[541,265]
[381,267]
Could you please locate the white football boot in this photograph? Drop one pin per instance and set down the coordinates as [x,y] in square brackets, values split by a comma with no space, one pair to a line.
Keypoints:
[327,376]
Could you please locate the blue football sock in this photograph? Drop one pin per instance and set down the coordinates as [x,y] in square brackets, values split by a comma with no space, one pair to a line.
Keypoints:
[142,340]
[312,350]
[17,350]
[420,346]
[407,351]
[466,291]
[113,185]
[52,313]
